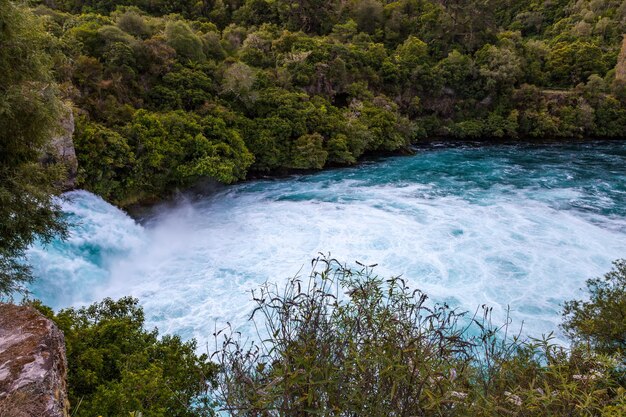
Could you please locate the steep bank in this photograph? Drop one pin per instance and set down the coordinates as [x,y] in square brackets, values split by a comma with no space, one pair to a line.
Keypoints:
[61,148]
[620,69]
[33,366]
[164,99]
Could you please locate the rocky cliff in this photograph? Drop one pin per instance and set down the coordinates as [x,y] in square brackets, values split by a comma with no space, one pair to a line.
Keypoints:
[32,365]
[62,150]
[620,69]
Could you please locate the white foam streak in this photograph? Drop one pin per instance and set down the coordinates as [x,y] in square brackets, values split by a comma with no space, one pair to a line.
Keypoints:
[195,265]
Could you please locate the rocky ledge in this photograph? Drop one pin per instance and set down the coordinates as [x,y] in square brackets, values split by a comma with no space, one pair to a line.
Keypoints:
[620,68]
[61,148]
[32,365]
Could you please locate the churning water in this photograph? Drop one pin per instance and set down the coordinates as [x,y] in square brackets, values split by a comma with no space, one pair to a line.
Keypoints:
[518,226]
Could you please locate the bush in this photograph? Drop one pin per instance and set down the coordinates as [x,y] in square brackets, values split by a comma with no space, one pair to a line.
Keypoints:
[186,43]
[346,342]
[601,321]
[308,152]
[115,366]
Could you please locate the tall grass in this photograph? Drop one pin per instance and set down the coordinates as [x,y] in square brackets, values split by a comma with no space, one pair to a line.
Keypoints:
[346,342]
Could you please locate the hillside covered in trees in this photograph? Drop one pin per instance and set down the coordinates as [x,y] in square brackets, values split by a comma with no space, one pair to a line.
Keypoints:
[166,92]
[169,91]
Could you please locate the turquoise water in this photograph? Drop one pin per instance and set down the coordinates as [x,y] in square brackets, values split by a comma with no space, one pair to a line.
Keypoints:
[518,226]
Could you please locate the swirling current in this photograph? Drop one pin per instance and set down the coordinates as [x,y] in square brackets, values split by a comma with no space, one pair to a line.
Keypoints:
[517,227]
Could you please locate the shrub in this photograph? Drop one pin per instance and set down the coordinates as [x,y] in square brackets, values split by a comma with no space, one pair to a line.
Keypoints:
[116,366]
[346,342]
[186,43]
[308,152]
[135,24]
[601,321]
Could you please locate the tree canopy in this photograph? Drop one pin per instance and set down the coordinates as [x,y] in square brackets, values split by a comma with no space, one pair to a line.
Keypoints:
[169,91]
[116,366]
[29,116]
[601,320]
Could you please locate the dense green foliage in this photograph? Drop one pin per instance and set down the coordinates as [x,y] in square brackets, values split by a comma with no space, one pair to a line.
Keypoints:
[348,343]
[166,92]
[170,91]
[117,367]
[601,321]
[29,112]
[345,342]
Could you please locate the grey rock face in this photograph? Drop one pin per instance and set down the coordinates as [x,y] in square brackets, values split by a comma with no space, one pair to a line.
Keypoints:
[62,148]
[620,69]
[33,365]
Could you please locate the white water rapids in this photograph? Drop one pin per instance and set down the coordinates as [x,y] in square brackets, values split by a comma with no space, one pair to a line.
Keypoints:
[505,226]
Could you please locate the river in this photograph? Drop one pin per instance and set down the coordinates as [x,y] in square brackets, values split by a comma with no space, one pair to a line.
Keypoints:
[520,226]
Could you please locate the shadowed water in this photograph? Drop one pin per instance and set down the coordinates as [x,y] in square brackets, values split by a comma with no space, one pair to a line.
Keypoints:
[503,225]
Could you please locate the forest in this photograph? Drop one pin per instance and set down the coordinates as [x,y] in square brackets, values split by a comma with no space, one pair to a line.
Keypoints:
[166,92]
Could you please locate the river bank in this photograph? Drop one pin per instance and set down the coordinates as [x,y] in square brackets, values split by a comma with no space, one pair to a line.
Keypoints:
[208,187]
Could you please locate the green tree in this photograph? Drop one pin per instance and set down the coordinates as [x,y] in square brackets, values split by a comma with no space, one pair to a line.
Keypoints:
[257,49]
[368,14]
[238,80]
[411,52]
[500,66]
[29,117]
[600,321]
[183,88]
[308,152]
[105,160]
[175,148]
[312,16]
[390,131]
[571,63]
[610,118]
[457,71]
[133,23]
[186,43]
[268,139]
[338,150]
[116,366]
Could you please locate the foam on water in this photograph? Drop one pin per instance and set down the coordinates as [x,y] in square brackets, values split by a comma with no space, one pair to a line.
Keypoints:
[518,226]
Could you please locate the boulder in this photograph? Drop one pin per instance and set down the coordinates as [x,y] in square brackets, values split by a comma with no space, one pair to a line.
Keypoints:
[33,365]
